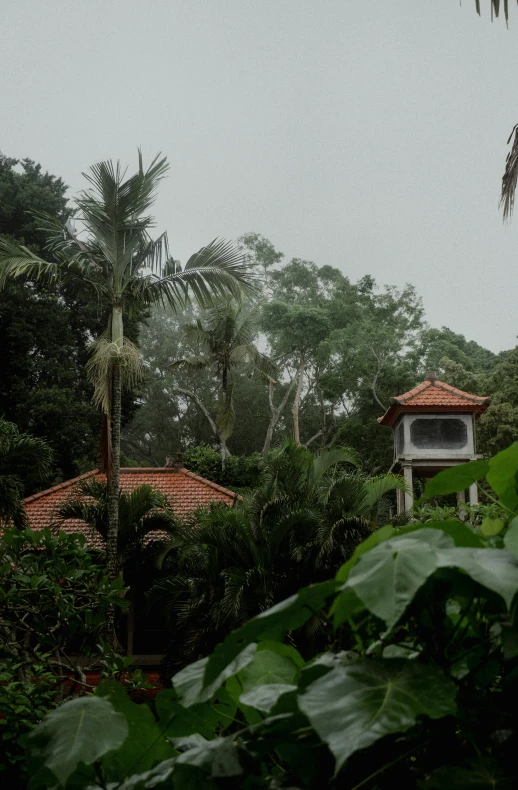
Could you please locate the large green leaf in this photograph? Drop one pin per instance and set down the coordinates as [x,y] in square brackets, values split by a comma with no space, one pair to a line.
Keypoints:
[190,683]
[272,624]
[494,569]
[80,731]
[145,744]
[461,533]
[268,667]
[456,478]
[176,721]
[377,537]
[503,476]
[491,526]
[158,778]
[217,758]
[511,537]
[483,775]
[265,697]
[345,605]
[387,578]
[267,677]
[354,706]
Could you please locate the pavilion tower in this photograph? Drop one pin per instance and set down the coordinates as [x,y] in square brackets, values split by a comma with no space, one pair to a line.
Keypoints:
[434,427]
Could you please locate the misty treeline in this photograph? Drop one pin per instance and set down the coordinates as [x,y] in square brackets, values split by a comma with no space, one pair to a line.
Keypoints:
[315,357]
[338,351]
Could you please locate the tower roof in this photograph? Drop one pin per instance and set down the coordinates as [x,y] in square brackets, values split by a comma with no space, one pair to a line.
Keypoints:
[432,396]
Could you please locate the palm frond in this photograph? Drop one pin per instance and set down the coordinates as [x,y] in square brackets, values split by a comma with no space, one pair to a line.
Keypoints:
[225,415]
[16,261]
[255,364]
[216,271]
[11,505]
[330,459]
[191,363]
[20,449]
[377,487]
[510,177]
[104,354]
[495,8]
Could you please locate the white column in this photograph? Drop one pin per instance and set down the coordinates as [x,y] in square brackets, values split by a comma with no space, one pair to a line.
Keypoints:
[409,497]
[400,500]
[473,494]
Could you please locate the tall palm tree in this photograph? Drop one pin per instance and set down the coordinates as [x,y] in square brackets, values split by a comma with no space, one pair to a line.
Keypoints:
[20,454]
[226,334]
[300,525]
[128,269]
[145,519]
[142,511]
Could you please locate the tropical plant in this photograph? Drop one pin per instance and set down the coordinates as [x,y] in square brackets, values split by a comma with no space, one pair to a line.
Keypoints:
[121,263]
[225,334]
[227,564]
[424,698]
[142,511]
[21,457]
[54,597]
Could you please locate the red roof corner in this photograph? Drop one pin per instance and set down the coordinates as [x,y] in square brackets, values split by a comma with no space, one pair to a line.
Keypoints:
[434,396]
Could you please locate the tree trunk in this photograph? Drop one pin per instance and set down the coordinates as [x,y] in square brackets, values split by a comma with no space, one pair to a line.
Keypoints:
[117,337]
[296,402]
[224,396]
[275,411]
[225,452]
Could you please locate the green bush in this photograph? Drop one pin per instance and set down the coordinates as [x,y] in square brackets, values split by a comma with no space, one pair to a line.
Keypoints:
[240,472]
[53,599]
[425,699]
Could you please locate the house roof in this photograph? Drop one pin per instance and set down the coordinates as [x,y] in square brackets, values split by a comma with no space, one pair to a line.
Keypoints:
[434,396]
[184,490]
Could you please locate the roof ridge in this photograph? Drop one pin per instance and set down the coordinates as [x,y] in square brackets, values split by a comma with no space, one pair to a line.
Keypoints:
[406,396]
[209,483]
[59,486]
[459,393]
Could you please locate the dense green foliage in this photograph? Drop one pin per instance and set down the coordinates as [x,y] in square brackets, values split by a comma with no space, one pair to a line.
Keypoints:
[423,696]
[22,458]
[53,599]
[341,350]
[240,471]
[297,527]
[141,511]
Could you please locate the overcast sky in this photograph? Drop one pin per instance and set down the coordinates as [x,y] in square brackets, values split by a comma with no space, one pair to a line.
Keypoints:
[365,134]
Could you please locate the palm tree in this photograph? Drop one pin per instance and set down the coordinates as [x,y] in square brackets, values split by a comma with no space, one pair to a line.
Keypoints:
[145,519]
[225,335]
[142,511]
[20,455]
[300,525]
[123,265]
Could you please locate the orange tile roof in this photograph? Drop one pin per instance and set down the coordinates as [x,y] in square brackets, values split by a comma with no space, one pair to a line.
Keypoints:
[184,490]
[433,395]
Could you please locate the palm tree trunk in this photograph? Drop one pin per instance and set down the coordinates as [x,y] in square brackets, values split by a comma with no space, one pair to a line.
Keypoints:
[224,396]
[296,402]
[117,336]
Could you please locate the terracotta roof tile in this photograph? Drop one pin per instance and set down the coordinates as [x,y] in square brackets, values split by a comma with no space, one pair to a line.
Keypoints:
[184,490]
[433,395]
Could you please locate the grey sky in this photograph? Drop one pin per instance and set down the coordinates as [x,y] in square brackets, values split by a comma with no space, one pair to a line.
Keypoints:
[365,134]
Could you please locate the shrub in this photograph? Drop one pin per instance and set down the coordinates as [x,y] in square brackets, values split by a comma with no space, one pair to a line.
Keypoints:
[240,472]
[53,600]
